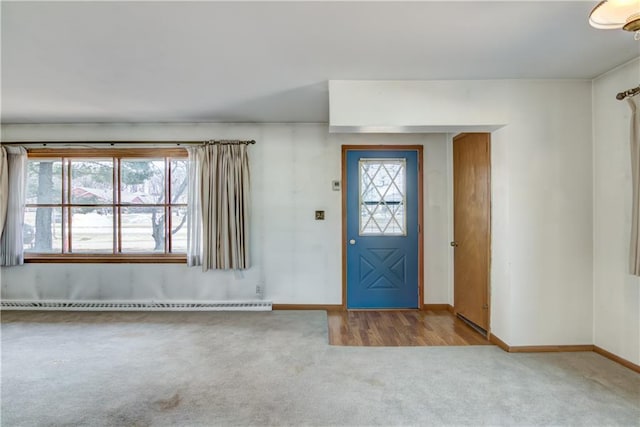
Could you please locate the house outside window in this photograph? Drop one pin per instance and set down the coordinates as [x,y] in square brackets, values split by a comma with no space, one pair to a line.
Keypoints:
[106,205]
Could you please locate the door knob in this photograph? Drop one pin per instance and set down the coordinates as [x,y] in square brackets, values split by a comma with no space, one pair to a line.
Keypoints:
[454,244]
[352,241]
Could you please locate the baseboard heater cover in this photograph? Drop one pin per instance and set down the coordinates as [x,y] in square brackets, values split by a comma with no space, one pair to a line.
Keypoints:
[65,305]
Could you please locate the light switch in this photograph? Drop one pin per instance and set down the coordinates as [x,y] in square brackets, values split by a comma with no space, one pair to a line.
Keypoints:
[335,185]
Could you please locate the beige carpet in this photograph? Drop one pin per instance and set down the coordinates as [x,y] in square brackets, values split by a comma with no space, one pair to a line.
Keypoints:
[276,368]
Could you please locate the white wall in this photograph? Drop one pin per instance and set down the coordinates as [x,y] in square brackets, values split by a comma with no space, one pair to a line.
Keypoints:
[296,259]
[616,293]
[541,272]
[541,216]
[405,106]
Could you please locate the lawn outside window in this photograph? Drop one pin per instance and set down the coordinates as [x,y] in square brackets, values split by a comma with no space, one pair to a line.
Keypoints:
[106,205]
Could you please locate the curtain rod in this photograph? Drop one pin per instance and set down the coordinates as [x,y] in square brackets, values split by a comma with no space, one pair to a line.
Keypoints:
[130,143]
[629,92]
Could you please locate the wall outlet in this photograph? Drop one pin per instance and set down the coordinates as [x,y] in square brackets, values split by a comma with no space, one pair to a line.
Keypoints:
[258,290]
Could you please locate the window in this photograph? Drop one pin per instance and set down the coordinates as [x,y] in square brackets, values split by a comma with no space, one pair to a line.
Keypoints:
[382,197]
[107,205]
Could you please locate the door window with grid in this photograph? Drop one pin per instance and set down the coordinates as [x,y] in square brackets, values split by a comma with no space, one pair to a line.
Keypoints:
[382,197]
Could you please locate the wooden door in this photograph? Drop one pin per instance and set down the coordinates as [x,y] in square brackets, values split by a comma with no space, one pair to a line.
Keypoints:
[471,226]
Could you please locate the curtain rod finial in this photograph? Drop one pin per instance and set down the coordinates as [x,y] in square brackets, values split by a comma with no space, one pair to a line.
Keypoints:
[629,92]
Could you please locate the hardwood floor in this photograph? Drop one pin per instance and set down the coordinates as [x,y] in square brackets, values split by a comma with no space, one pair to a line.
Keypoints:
[400,328]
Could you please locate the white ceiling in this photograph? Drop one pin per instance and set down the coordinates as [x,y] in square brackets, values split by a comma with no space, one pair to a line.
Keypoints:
[267,61]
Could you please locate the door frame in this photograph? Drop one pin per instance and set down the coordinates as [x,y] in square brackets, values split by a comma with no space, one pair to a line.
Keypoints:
[489,230]
[419,149]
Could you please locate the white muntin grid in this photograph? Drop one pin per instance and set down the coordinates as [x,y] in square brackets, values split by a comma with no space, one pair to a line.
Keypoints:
[382,197]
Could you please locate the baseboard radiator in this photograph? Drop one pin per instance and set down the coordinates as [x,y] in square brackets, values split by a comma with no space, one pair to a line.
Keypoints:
[61,305]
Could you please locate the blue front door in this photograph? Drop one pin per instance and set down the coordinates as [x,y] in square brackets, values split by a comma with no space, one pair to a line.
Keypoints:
[382,229]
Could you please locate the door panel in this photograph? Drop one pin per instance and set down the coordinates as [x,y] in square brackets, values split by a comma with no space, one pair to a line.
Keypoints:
[382,256]
[471,226]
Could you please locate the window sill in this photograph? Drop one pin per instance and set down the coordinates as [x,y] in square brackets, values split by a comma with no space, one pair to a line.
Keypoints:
[106,259]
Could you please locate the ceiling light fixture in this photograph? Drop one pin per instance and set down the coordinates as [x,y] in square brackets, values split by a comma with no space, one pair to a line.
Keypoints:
[615,14]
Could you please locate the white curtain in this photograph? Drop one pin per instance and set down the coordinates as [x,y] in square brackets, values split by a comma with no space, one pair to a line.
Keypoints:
[194,214]
[634,252]
[4,187]
[11,245]
[220,172]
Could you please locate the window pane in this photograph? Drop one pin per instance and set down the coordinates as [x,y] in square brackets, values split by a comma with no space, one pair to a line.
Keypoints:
[42,230]
[179,181]
[92,181]
[179,230]
[382,197]
[111,202]
[142,230]
[92,230]
[44,181]
[142,181]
